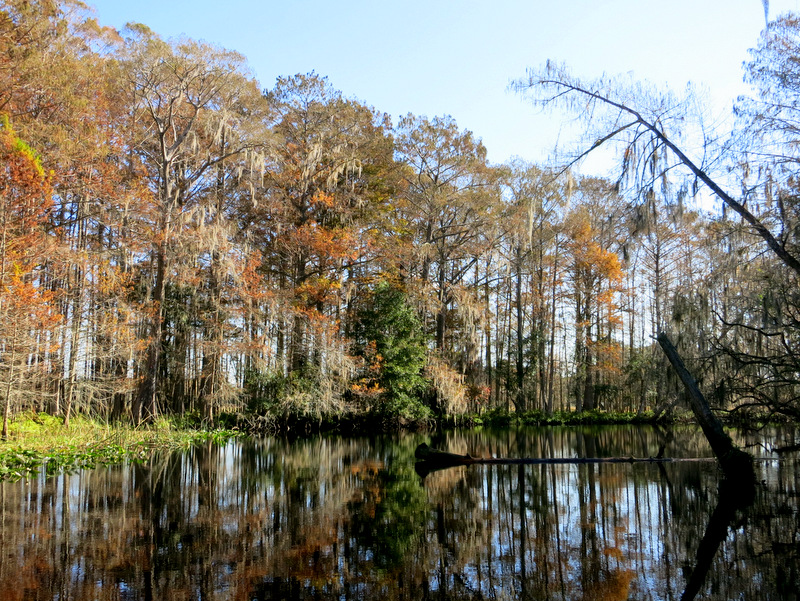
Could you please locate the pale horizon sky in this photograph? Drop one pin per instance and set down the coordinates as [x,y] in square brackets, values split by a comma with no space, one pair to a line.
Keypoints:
[457,57]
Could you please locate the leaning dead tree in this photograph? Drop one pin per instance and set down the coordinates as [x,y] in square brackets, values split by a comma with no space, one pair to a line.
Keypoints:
[733,460]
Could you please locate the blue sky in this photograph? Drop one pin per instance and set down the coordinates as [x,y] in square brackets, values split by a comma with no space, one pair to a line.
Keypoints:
[457,57]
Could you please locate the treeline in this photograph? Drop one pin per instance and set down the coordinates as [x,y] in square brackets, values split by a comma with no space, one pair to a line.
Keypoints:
[174,239]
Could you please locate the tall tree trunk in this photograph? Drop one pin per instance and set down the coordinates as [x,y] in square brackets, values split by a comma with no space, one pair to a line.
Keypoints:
[520,350]
[10,383]
[74,343]
[212,357]
[580,353]
[588,382]
[298,351]
[145,406]
[441,314]
[488,336]
[280,330]
[540,328]
[212,354]
[552,358]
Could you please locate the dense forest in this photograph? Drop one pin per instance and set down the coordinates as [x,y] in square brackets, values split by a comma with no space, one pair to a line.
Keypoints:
[175,239]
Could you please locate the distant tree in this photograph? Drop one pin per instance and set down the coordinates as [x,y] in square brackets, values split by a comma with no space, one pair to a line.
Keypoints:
[446,220]
[328,164]
[596,279]
[529,228]
[743,318]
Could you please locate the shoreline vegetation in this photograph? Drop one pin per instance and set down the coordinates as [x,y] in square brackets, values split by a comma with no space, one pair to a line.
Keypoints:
[38,441]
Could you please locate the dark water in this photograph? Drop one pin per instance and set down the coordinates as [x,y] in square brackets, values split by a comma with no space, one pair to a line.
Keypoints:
[351,519]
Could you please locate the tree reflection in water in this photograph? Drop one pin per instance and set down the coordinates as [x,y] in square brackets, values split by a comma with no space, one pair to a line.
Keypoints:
[734,495]
[351,519]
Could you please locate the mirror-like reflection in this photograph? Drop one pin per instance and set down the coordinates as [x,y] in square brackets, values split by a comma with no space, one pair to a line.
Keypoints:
[350,519]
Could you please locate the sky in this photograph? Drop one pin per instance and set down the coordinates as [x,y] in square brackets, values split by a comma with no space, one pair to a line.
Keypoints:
[457,57]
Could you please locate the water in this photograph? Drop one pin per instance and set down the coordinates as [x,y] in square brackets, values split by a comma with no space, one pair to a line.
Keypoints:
[333,518]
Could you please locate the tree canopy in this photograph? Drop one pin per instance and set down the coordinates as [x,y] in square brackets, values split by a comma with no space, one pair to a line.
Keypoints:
[176,239]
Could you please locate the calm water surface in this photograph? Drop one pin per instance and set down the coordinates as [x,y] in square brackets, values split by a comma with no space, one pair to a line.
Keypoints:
[333,518]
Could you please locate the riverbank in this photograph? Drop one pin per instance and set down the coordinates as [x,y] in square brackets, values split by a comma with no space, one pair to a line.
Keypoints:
[37,440]
[352,424]
[41,440]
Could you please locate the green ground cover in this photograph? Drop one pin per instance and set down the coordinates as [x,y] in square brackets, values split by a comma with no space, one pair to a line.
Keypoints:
[38,440]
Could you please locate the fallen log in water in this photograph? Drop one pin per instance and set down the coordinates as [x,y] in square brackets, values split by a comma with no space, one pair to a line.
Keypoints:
[787,449]
[437,459]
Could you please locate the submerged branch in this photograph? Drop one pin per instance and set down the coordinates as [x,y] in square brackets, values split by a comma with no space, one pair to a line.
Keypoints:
[434,459]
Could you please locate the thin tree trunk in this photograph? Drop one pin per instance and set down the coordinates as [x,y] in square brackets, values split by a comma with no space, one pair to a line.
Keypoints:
[298,350]
[9,383]
[488,334]
[441,314]
[580,353]
[520,350]
[552,359]
[74,336]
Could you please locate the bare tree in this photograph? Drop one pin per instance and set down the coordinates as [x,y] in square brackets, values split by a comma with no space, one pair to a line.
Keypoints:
[642,119]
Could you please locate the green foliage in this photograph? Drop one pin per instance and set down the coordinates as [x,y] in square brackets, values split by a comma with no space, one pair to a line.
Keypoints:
[19,462]
[495,417]
[264,390]
[20,147]
[390,517]
[390,338]
[298,395]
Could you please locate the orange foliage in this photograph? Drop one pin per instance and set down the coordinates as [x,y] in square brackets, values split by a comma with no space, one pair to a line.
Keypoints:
[327,245]
[25,200]
[26,307]
[593,264]
[596,272]
[615,587]
[367,389]
[323,200]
